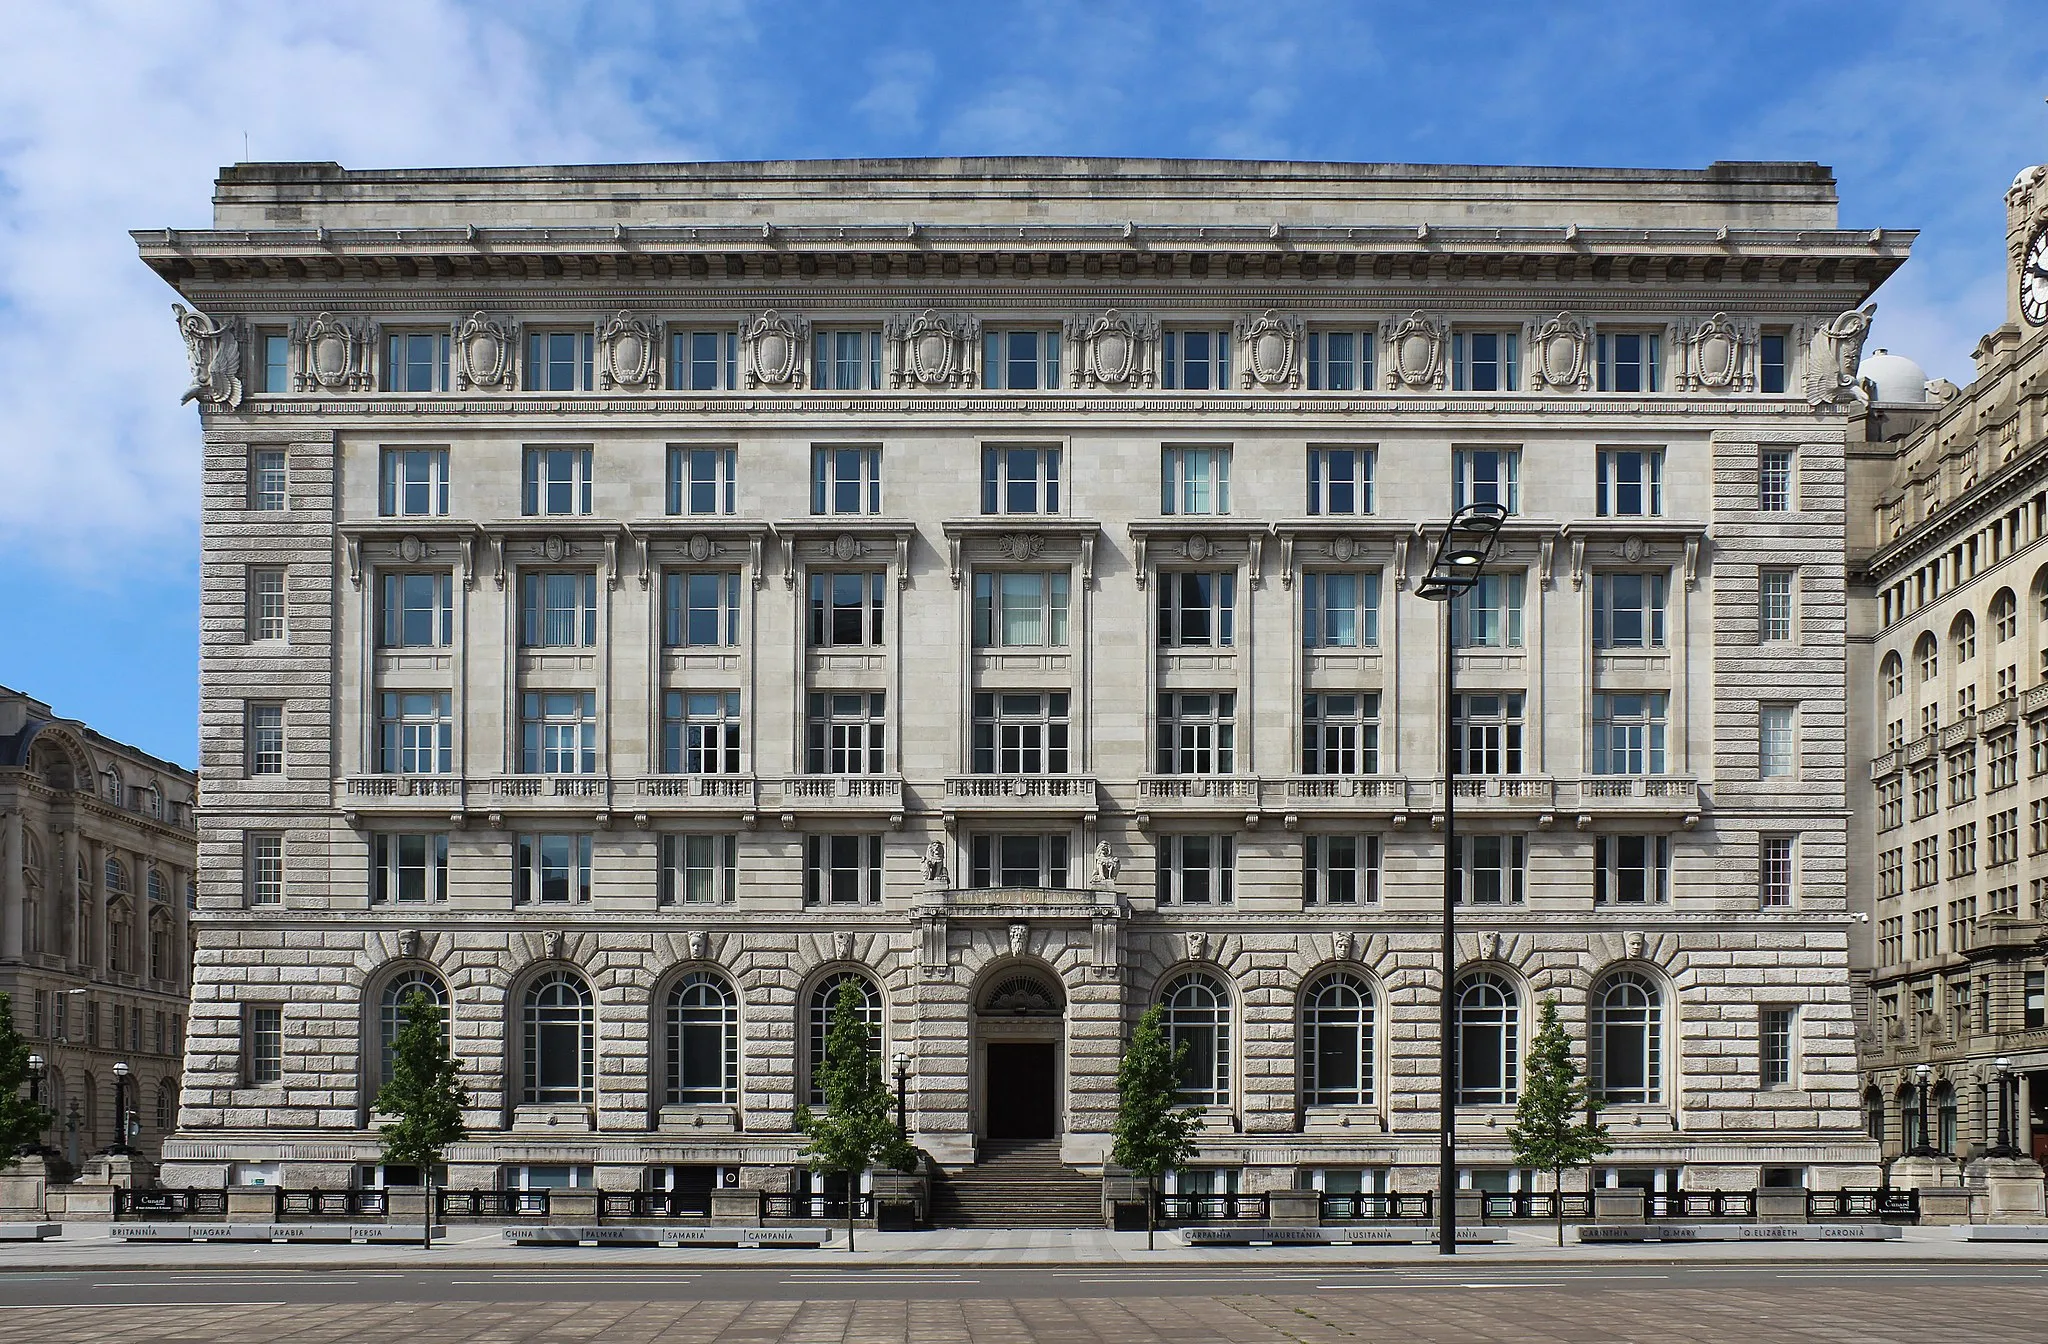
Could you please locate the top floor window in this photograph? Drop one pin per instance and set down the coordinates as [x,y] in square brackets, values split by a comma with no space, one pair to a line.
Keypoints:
[1020,480]
[1020,360]
[557,481]
[412,482]
[1631,482]
[1339,481]
[267,480]
[1770,365]
[1628,361]
[1195,360]
[1195,481]
[1487,476]
[847,360]
[700,480]
[416,361]
[846,480]
[1774,479]
[273,360]
[1483,361]
[1340,361]
[559,361]
[703,361]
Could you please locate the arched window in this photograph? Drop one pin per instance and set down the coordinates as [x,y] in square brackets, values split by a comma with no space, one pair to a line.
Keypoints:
[1962,637]
[2041,593]
[559,1029]
[391,1011]
[166,1106]
[1944,1117]
[117,876]
[1873,1112]
[703,1040]
[1196,1010]
[32,894]
[823,1000]
[1488,1040]
[1927,653]
[1894,676]
[1909,1117]
[1337,1042]
[2005,615]
[1626,1040]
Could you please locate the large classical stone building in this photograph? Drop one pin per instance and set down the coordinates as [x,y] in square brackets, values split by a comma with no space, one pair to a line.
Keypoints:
[1949,649]
[97,856]
[637,598]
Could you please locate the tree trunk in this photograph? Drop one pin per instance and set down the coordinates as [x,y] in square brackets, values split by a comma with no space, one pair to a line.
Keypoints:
[852,1179]
[427,1228]
[1557,1184]
[1151,1208]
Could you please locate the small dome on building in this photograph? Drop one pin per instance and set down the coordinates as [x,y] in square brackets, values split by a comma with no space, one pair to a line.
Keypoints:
[1891,377]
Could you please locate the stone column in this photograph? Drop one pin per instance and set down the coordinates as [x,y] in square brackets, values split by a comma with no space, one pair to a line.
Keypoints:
[13,887]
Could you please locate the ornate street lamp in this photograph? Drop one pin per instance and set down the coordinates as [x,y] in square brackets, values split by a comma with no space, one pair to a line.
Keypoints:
[1923,1145]
[35,1080]
[2005,1147]
[1461,554]
[902,1063]
[120,1144]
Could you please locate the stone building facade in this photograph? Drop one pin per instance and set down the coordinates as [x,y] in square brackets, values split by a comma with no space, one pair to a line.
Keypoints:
[992,579]
[97,856]
[1950,584]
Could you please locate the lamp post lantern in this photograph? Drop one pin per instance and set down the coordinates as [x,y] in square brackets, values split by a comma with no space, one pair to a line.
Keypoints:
[121,1072]
[1461,554]
[35,1080]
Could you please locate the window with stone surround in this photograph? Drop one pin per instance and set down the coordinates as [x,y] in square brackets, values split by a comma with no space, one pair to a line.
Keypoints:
[262,1044]
[267,480]
[1630,483]
[842,869]
[1629,361]
[1488,732]
[391,1011]
[1962,850]
[1197,609]
[1926,861]
[273,359]
[1020,733]
[1018,860]
[1771,362]
[558,733]
[1625,1040]
[1340,733]
[1020,479]
[702,1041]
[1020,359]
[412,482]
[416,361]
[702,482]
[703,361]
[1486,1042]
[415,733]
[264,615]
[557,482]
[1487,476]
[1631,869]
[1491,870]
[846,480]
[1891,940]
[1893,675]
[1891,872]
[1774,479]
[560,361]
[699,869]
[1489,614]
[1196,733]
[558,1041]
[1340,482]
[2005,616]
[700,733]
[1926,791]
[1195,1015]
[1341,869]
[551,869]
[1021,608]
[1196,870]
[1962,776]
[847,359]
[1628,733]
[264,738]
[1195,359]
[263,853]
[1485,361]
[1629,611]
[1337,1040]
[847,609]
[1194,482]
[2034,1007]
[416,610]
[1774,606]
[1777,734]
[409,867]
[1775,872]
[1340,609]
[2002,760]
[1891,804]
[1341,361]
[824,1000]
[700,609]
[1926,933]
[846,733]
[1962,922]
[2002,838]
[1777,1039]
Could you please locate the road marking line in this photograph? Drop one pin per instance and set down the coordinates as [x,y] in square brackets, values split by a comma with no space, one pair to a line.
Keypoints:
[122,1306]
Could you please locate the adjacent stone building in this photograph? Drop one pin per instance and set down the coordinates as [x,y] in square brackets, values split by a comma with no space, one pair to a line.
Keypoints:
[97,854]
[636,598]
[1950,653]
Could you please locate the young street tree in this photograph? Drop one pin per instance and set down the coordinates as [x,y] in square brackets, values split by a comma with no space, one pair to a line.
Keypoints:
[1154,1132]
[1555,1118]
[857,1129]
[426,1097]
[22,1121]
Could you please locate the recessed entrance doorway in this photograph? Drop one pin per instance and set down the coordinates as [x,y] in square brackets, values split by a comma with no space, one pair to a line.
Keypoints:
[1022,1090]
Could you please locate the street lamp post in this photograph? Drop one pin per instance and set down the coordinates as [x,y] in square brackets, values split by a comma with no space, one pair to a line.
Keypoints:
[120,1144]
[1923,1145]
[1461,554]
[902,1063]
[2005,1147]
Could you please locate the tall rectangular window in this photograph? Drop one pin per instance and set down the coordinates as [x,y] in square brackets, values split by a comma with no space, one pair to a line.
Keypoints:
[416,361]
[559,361]
[265,737]
[842,869]
[1775,746]
[1775,1046]
[1484,361]
[1631,482]
[1340,733]
[558,733]
[1020,360]
[273,360]
[1340,361]
[262,1045]
[1340,481]
[1628,611]
[1020,480]
[1340,869]
[412,482]
[703,361]
[417,611]
[701,481]
[1196,870]
[700,732]
[1197,733]
[557,482]
[1491,870]
[1631,869]
[699,869]
[845,733]
[1774,872]
[1488,729]
[552,869]
[1340,609]
[1020,608]
[847,360]
[1197,609]
[266,603]
[409,867]
[847,610]
[266,480]
[1487,476]
[1020,732]
[1195,360]
[265,852]
[1771,363]
[557,610]
[415,733]
[1018,861]
[1195,481]
[1628,361]
[2034,1007]
[1489,614]
[700,609]
[846,480]
[1628,733]
[1773,606]
[1774,480]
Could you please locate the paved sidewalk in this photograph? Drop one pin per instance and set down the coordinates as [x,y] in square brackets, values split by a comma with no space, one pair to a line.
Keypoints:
[88,1246]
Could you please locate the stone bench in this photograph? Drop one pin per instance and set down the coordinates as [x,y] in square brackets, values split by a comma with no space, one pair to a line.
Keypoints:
[1257,1234]
[269,1232]
[29,1231]
[612,1234]
[2002,1232]
[1639,1232]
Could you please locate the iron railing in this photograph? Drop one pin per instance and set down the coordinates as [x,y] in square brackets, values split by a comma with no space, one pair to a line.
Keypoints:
[1379,1208]
[1502,1206]
[654,1204]
[330,1203]
[1699,1203]
[1211,1208]
[188,1203]
[1873,1202]
[491,1203]
[813,1206]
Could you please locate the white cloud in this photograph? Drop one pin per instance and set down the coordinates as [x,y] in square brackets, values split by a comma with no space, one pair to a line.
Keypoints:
[894,102]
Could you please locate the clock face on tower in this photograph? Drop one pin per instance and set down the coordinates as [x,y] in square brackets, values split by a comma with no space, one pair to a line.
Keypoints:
[2034,278]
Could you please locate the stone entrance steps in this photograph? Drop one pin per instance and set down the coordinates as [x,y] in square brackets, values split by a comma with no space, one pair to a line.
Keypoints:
[1017,1184]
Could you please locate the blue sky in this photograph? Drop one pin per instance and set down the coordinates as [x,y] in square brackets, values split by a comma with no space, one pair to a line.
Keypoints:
[116,115]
